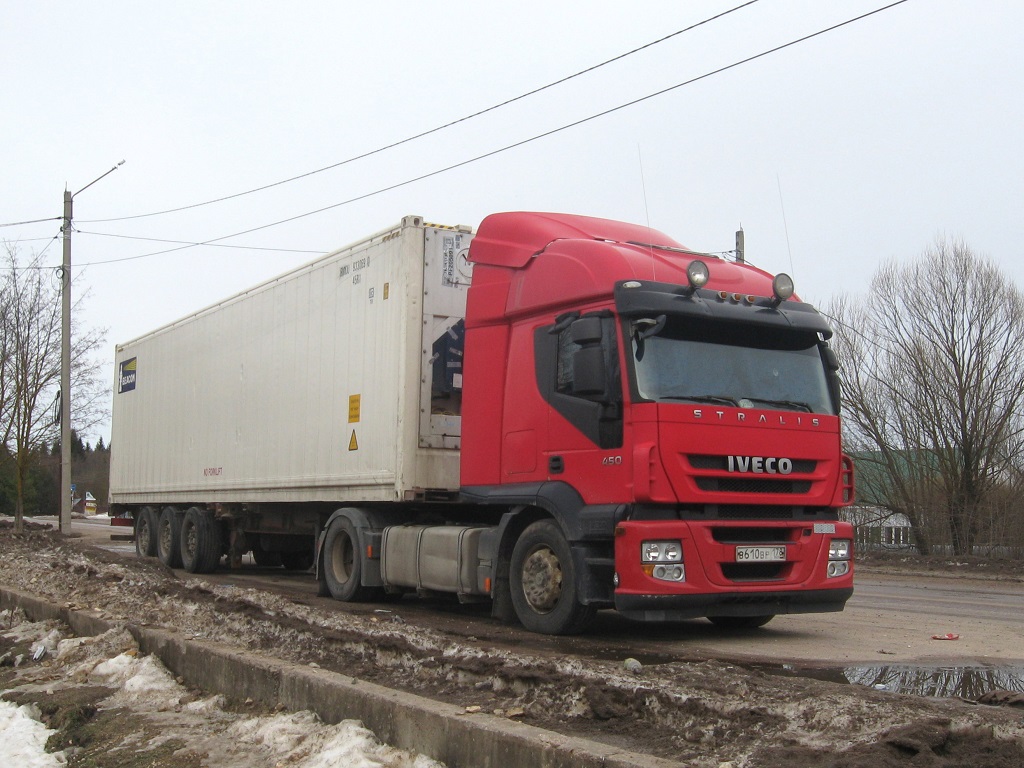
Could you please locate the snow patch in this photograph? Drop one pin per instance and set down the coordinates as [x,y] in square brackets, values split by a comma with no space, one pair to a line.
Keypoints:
[300,739]
[23,739]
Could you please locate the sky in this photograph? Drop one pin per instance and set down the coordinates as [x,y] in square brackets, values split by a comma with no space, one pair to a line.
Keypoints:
[835,154]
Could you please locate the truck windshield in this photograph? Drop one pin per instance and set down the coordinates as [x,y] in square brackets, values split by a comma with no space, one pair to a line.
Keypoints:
[739,365]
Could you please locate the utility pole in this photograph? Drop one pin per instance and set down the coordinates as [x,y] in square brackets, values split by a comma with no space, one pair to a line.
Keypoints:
[65,371]
[65,359]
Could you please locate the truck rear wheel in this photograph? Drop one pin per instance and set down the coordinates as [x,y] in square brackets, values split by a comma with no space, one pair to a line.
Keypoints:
[146,532]
[168,538]
[200,541]
[543,581]
[343,564]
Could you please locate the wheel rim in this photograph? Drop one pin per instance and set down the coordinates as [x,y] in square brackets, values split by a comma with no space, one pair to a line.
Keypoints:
[145,534]
[542,579]
[342,558]
[165,538]
[190,540]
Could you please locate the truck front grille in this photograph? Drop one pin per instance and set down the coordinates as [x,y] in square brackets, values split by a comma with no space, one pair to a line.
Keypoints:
[754,571]
[752,485]
[743,512]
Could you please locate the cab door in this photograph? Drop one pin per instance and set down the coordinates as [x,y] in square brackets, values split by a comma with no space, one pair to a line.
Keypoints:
[578,376]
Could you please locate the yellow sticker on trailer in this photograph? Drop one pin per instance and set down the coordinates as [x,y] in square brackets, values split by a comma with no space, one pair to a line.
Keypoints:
[353,409]
[353,444]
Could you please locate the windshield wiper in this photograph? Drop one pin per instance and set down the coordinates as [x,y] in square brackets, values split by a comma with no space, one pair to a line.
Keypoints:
[720,399]
[791,404]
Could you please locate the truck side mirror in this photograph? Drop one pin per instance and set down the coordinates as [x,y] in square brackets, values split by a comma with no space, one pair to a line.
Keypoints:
[586,331]
[832,373]
[588,372]
[831,361]
[588,368]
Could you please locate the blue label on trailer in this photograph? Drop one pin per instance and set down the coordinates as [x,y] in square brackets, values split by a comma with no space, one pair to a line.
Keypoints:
[126,376]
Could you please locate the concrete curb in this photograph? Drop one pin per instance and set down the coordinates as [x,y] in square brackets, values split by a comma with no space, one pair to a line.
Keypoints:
[442,731]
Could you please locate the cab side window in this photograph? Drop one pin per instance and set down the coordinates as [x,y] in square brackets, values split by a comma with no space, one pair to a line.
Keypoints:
[578,374]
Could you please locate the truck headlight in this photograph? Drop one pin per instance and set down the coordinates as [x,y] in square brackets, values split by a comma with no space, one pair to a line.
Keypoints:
[661,552]
[663,560]
[839,553]
[839,549]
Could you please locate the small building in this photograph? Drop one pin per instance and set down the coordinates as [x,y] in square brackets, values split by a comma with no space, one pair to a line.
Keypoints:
[84,506]
[879,528]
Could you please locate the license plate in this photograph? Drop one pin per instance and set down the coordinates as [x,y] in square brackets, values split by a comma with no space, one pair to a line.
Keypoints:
[760,554]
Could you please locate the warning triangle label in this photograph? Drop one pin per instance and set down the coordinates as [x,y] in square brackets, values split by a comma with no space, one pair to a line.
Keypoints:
[353,444]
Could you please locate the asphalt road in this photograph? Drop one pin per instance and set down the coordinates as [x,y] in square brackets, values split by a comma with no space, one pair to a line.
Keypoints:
[891,619]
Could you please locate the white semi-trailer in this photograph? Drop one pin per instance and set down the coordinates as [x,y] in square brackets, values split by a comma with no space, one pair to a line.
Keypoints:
[311,389]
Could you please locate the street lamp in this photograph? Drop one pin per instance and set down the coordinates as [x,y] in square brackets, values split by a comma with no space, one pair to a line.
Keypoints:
[65,359]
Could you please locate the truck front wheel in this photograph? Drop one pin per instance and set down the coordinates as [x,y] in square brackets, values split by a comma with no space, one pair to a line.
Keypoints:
[343,564]
[543,581]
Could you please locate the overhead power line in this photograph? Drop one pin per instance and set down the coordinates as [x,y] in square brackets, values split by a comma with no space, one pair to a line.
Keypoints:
[191,242]
[429,131]
[33,221]
[523,142]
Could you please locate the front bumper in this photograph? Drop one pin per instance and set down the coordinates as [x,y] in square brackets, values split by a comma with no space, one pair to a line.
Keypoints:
[677,607]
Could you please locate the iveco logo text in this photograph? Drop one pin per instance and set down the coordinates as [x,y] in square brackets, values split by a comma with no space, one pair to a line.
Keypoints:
[760,465]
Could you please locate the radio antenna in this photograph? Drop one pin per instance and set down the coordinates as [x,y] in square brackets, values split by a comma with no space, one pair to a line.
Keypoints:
[785,226]
[647,211]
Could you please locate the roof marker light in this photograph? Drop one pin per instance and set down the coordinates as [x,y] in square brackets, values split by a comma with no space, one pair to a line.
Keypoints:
[697,273]
[782,288]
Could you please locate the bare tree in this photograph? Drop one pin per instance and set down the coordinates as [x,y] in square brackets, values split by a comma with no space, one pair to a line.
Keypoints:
[933,384]
[30,374]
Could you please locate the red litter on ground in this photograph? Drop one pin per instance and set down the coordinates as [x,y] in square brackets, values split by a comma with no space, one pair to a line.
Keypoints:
[947,636]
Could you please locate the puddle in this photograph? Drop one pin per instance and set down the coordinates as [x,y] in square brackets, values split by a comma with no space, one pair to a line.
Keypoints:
[944,682]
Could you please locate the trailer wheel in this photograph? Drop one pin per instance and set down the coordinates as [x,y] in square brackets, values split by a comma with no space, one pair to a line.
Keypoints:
[200,541]
[146,532]
[543,583]
[740,622]
[343,564]
[168,538]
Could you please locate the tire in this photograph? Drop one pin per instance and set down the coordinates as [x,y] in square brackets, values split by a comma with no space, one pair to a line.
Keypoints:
[298,561]
[543,583]
[343,564]
[200,541]
[740,622]
[146,532]
[169,537]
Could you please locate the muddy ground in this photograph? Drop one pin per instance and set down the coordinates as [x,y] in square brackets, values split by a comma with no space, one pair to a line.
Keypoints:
[700,713]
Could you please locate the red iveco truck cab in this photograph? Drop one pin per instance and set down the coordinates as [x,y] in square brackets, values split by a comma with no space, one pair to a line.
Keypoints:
[556,413]
[662,425]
